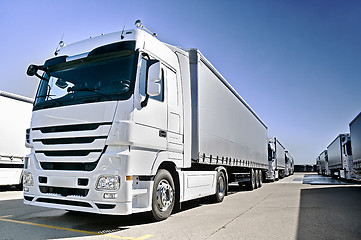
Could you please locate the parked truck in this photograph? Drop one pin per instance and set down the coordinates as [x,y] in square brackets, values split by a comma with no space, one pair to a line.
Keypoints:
[276,160]
[340,157]
[124,123]
[355,135]
[290,167]
[322,163]
[15,119]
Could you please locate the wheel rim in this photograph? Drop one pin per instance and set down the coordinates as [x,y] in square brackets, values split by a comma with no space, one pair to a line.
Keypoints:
[253,179]
[165,195]
[221,186]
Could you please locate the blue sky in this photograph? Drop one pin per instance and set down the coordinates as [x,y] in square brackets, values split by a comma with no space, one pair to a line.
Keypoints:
[296,63]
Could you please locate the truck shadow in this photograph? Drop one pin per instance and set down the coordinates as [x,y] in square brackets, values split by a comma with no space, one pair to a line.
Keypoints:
[108,223]
[94,223]
[330,213]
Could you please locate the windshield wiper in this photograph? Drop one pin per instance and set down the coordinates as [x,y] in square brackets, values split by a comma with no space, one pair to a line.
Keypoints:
[86,89]
[52,99]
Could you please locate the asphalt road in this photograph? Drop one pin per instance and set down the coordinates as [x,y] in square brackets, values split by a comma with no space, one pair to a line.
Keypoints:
[301,206]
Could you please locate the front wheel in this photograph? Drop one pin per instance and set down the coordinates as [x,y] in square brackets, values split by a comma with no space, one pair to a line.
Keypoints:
[220,188]
[163,196]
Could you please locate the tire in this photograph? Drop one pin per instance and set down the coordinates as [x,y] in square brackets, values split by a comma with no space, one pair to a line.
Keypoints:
[163,196]
[252,183]
[260,178]
[220,188]
[256,176]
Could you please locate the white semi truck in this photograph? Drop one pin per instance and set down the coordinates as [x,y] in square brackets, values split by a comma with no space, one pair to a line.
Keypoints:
[340,157]
[15,119]
[355,132]
[322,163]
[276,160]
[290,164]
[124,123]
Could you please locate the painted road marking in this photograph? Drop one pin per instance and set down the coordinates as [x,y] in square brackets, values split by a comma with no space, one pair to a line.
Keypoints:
[4,219]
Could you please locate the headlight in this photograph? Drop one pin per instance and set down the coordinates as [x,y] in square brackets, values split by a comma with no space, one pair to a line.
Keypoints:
[28,179]
[108,182]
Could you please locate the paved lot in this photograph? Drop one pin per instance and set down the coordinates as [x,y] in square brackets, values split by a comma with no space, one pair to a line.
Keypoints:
[297,207]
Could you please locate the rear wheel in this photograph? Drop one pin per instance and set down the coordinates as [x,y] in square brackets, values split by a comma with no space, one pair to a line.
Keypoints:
[252,182]
[260,178]
[256,178]
[163,197]
[221,187]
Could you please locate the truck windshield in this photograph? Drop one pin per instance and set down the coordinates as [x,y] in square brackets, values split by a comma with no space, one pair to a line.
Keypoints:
[101,77]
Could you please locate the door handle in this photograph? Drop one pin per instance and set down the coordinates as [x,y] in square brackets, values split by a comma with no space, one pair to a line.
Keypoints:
[162,133]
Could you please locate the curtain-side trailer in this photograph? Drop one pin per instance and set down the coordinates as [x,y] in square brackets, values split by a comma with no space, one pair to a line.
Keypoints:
[340,157]
[355,134]
[15,119]
[123,123]
[289,169]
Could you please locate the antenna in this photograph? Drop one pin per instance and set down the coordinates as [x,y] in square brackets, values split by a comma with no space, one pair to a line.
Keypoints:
[122,35]
[60,45]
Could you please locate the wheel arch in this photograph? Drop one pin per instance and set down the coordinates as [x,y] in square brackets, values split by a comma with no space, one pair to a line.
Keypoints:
[171,168]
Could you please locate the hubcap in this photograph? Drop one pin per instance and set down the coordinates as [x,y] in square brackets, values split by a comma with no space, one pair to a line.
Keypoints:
[221,186]
[165,195]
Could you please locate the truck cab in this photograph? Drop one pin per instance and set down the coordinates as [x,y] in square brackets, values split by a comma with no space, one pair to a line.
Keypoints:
[107,114]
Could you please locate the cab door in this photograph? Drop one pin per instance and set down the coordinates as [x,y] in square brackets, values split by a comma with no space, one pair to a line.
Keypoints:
[151,120]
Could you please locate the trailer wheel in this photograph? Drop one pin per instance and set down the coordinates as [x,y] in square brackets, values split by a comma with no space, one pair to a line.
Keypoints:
[220,188]
[252,182]
[260,178]
[256,176]
[163,197]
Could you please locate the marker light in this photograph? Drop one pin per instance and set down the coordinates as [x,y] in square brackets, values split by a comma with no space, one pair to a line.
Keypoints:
[138,24]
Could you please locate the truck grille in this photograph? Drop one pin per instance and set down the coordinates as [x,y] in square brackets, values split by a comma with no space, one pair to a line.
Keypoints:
[68,153]
[70,147]
[54,141]
[70,128]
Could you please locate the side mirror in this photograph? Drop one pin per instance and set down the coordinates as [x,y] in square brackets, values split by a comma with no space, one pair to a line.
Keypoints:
[154,77]
[32,70]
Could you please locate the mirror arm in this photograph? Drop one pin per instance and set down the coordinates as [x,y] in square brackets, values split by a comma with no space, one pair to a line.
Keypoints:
[41,77]
[144,103]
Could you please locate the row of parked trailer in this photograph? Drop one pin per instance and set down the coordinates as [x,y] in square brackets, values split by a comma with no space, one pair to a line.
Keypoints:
[342,158]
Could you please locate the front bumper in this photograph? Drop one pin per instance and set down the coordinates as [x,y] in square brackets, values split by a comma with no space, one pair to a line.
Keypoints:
[76,190]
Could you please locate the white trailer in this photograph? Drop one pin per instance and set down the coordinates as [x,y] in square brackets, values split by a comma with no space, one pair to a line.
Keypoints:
[276,160]
[355,132]
[340,157]
[15,119]
[124,123]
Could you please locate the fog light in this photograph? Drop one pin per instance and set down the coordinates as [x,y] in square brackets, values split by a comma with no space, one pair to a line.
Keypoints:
[28,179]
[108,182]
[110,195]
[26,189]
